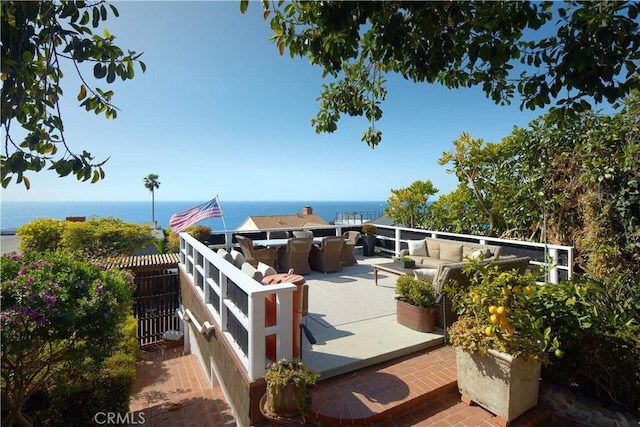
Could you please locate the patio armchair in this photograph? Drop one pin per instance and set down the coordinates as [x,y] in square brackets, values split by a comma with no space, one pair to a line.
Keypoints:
[350,241]
[295,255]
[326,256]
[254,255]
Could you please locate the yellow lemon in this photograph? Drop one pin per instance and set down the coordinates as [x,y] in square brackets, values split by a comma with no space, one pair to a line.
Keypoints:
[493,309]
[494,319]
[505,291]
[501,310]
[488,331]
[516,289]
[528,290]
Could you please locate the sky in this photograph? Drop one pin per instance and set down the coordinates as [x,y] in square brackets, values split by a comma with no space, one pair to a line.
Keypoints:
[220,112]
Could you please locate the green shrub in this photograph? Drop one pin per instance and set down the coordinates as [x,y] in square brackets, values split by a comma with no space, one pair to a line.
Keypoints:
[101,237]
[200,232]
[418,292]
[41,235]
[173,241]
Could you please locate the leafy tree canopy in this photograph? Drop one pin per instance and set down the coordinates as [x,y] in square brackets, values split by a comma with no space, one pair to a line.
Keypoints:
[408,206]
[37,37]
[548,54]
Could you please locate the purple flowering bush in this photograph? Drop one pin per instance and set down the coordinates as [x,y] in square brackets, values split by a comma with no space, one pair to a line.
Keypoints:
[56,311]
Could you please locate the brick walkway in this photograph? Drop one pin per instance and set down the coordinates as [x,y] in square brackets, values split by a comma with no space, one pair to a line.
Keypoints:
[417,390]
[171,390]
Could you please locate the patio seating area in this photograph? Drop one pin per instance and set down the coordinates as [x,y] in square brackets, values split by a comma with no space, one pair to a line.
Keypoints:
[373,370]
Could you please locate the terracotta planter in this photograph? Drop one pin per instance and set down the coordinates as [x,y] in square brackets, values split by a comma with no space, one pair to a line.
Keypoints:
[416,318]
[501,384]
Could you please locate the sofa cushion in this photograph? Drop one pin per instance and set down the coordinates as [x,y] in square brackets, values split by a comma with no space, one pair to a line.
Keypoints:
[226,255]
[425,273]
[417,247]
[433,248]
[451,252]
[468,251]
[428,262]
[251,271]
[238,258]
[266,269]
[477,254]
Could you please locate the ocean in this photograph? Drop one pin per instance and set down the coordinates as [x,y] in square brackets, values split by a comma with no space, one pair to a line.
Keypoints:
[15,214]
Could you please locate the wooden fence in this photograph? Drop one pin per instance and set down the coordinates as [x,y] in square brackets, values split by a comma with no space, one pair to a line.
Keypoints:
[156,300]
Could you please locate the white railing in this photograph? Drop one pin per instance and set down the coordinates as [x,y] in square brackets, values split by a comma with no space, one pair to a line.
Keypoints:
[552,258]
[236,303]
[556,258]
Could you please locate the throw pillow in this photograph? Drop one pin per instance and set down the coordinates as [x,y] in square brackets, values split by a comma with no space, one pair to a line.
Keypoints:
[479,254]
[425,273]
[433,248]
[251,271]
[417,247]
[224,254]
[238,258]
[451,252]
[266,269]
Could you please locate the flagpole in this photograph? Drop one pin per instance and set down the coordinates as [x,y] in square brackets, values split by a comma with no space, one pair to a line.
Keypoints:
[220,206]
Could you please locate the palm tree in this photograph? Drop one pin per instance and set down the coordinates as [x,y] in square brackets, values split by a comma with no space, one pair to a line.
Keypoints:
[151,182]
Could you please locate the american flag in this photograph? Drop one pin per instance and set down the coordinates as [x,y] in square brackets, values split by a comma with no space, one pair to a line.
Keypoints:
[182,220]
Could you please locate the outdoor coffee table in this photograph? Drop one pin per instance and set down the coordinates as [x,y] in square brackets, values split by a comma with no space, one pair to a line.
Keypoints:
[390,267]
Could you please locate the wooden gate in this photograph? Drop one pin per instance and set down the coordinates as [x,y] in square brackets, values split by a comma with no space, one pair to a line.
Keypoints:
[156,301]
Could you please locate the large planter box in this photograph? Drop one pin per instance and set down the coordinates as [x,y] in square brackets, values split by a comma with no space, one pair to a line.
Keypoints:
[501,384]
[416,318]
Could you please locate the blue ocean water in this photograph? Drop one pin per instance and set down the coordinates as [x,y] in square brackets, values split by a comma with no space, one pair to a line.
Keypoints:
[15,214]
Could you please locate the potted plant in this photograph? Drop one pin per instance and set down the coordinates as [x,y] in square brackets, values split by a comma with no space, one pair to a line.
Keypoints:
[500,339]
[369,239]
[415,303]
[288,383]
[404,262]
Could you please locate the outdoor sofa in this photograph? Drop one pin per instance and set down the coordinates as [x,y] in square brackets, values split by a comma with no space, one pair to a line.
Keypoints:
[431,253]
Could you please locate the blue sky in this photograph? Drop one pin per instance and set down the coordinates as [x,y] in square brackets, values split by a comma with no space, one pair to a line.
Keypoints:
[219,111]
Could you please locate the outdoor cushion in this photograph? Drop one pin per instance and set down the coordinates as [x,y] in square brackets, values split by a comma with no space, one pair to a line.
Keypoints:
[451,252]
[303,233]
[433,248]
[226,255]
[266,270]
[251,271]
[478,254]
[417,247]
[425,273]
[238,258]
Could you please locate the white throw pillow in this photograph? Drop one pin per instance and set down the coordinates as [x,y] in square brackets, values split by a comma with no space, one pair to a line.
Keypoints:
[266,269]
[477,255]
[238,258]
[425,273]
[417,247]
[251,271]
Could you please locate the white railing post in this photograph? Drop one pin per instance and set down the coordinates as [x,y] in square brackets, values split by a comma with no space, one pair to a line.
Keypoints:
[284,342]
[398,247]
[257,346]
[553,271]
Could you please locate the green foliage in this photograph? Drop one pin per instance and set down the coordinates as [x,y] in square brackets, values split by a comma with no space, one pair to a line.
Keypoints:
[418,292]
[369,229]
[56,312]
[285,372]
[564,55]
[41,235]
[499,311]
[600,331]
[37,37]
[200,232]
[408,206]
[82,390]
[102,237]
[456,212]
[173,241]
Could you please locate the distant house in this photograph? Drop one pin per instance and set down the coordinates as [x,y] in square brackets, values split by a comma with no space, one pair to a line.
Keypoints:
[298,220]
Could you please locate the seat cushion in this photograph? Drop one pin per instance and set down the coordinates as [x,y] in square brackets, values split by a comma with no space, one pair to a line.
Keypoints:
[417,247]
[238,258]
[251,271]
[266,269]
[451,252]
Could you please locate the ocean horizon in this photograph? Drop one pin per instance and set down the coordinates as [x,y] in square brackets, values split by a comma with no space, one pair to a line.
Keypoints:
[15,214]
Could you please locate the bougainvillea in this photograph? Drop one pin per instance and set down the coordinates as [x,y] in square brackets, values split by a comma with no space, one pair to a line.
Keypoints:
[55,311]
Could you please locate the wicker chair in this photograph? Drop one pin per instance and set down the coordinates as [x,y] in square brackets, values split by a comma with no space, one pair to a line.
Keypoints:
[296,255]
[254,255]
[350,240]
[453,272]
[326,256]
